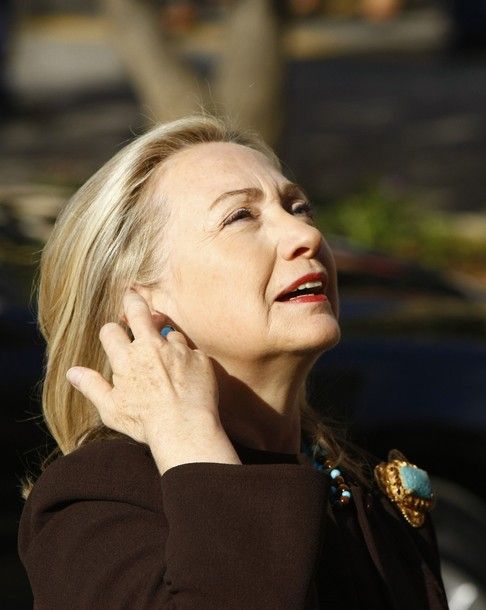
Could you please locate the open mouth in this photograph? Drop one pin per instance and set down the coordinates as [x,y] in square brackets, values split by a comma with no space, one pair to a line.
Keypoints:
[314,289]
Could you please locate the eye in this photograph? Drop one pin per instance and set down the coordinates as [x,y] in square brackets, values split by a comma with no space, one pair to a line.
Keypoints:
[241,213]
[305,208]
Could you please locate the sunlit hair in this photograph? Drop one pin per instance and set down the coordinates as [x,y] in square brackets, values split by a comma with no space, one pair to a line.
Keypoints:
[107,238]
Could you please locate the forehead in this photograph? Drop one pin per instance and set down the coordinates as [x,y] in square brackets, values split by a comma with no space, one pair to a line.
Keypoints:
[204,171]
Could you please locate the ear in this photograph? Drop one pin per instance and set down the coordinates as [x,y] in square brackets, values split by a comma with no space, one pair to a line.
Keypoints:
[159,319]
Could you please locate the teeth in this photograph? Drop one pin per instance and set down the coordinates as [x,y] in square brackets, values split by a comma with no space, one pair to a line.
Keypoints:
[309,285]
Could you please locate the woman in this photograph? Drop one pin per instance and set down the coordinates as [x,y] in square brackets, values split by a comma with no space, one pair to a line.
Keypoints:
[194,475]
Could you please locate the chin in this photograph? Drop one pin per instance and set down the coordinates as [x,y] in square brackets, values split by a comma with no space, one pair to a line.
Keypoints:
[330,340]
[320,340]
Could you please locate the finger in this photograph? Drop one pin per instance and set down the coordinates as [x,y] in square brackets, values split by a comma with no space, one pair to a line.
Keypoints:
[138,316]
[115,341]
[91,384]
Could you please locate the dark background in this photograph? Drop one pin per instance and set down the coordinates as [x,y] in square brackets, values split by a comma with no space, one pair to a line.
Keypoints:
[384,124]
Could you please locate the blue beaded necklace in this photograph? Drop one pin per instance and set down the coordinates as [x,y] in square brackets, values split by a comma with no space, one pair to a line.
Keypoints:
[340,492]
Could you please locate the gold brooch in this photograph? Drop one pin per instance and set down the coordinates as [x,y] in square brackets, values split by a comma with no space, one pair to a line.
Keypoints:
[407,486]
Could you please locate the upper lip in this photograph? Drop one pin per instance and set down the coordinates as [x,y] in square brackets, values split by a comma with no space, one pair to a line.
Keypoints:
[309,277]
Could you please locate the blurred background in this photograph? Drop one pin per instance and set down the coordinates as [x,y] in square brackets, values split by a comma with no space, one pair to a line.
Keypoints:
[378,108]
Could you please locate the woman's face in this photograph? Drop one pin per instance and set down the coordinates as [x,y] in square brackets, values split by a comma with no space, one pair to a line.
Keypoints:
[225,271]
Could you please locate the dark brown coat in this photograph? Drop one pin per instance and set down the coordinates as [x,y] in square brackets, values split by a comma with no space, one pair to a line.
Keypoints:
[102,529]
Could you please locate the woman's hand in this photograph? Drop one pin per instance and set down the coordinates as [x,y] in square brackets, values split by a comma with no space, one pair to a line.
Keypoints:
[164,393]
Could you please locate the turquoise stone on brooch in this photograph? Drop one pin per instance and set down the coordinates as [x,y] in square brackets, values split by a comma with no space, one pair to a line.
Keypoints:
[416,480]
[407,486]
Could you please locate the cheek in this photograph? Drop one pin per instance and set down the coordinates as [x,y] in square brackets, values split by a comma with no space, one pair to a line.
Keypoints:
[206,290]
[224,315]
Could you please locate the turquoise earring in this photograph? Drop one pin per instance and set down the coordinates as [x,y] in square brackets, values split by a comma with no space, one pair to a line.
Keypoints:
[166,330]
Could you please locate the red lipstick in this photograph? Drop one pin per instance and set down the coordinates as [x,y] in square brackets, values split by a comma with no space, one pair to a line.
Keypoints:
[310,277]
[307,298]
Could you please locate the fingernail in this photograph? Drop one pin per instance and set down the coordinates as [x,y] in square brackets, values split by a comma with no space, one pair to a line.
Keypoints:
[73,376]
[166,330]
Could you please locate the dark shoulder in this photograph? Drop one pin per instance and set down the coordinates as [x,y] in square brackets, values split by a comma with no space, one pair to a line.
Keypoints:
[118,469]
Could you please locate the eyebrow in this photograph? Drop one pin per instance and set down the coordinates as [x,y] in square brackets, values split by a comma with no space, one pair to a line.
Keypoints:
[290,190]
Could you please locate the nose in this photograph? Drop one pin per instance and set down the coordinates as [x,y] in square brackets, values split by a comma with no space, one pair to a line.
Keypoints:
[298,238]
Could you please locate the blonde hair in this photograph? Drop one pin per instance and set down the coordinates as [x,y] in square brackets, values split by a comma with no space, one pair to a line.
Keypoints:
[104,240]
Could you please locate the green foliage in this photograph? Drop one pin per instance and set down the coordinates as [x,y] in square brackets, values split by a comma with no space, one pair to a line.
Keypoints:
[401,227]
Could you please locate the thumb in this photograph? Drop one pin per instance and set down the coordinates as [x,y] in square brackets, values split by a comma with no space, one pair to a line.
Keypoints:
[90,383]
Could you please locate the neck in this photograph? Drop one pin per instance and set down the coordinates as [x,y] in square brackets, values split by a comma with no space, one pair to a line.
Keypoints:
[259,405]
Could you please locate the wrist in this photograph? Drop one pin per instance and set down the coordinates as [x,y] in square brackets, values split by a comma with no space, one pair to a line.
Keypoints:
[206,443]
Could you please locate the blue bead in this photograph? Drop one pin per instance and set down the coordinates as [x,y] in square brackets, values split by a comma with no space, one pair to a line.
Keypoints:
[346,493]
[333,489]
[335,472]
